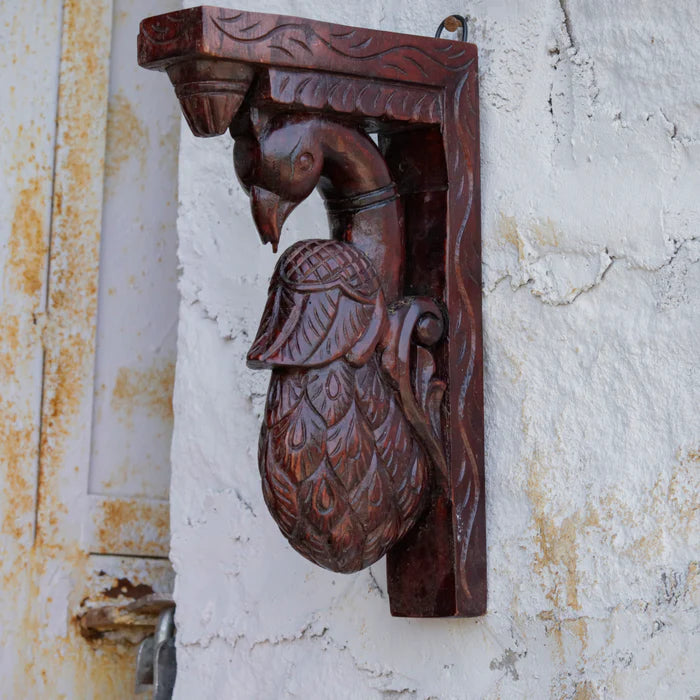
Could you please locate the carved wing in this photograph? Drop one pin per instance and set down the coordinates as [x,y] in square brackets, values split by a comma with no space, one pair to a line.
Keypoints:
[323,297]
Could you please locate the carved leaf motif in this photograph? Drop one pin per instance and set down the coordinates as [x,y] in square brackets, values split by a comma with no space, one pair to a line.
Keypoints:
[335,497]
[330,390]
[424,372]
[280,496]
[356,95]
[394,441]
[373,497]
[433,404]
[321,301]
[284,394]
[372,393]
[267,330]
[293,326]
[347,327]
[390,530]
[299,441]
[323,500]
[309,542]
[409,492]
[429,389]
[351,447]
[343,544]
[343,470]
[263,446]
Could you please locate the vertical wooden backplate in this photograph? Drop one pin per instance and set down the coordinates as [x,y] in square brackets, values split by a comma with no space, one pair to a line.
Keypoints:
[421,96]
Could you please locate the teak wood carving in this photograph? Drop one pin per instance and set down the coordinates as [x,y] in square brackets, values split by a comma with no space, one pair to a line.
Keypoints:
[372,441]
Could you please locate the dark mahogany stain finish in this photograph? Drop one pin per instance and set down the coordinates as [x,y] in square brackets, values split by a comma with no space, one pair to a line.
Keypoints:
[343,474]
[372,441]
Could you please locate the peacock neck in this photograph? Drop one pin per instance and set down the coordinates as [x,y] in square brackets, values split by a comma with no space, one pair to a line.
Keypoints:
[362,201]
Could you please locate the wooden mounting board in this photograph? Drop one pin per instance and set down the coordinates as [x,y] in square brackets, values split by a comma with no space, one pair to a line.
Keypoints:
[421,95]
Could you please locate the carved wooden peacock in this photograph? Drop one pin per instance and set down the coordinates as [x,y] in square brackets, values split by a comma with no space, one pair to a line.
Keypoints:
[345,444]
[299,97]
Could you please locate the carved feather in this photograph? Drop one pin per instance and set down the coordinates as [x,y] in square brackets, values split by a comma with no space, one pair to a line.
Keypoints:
[343,477]
[322,300]
[343,472]
[284,396]
[330,390]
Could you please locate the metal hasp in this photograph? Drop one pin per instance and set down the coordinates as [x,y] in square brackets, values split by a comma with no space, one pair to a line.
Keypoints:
[372,441]
[156,663]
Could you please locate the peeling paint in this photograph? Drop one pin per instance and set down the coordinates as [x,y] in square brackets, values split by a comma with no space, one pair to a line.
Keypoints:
[44,567]
[507,662]
[124,587]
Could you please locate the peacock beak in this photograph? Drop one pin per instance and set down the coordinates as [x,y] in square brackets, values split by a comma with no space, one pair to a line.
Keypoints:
[270,212]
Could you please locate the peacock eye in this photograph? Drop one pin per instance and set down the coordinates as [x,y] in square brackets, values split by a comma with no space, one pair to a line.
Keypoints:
[305,161]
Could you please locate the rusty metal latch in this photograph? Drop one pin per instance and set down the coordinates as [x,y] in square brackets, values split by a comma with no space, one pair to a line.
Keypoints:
[156,665]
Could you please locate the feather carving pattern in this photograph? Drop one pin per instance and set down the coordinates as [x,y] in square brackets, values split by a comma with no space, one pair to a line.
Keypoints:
[342,484]
[323,296]
[343,472]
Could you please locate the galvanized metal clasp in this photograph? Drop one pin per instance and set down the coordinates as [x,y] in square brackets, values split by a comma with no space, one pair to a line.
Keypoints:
[156,665]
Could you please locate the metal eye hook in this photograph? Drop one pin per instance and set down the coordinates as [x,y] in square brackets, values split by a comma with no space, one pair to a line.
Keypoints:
[452,23]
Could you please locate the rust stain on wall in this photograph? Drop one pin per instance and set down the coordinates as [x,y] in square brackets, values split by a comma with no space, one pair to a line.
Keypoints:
[121,525]
[564,629]
[668,505]
[150,389]
[28,246]
[20,348]
[507,228]
[12,341]
[546,233]
[17,488]
[684,486]
[585,690]
[61,663]
[70,331]
[557,558]
[45,575]
[50,657]
[126,135]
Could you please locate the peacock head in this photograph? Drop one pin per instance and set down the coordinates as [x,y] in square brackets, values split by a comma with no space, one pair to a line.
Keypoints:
[278,163]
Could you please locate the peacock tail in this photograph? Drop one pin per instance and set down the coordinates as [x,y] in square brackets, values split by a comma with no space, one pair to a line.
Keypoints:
[342,473]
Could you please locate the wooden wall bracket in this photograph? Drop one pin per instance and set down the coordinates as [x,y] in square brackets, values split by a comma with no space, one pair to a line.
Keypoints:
[372,442]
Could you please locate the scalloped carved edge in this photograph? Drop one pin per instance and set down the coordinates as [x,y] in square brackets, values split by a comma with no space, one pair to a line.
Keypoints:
[346,95]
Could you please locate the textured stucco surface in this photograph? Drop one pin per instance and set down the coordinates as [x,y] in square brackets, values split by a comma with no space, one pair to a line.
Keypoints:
[590,115]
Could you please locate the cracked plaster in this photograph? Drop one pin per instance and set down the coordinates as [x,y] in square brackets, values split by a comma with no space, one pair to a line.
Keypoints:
[591,265]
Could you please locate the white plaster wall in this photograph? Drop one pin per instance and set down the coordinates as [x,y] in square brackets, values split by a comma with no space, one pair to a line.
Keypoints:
[590,114]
